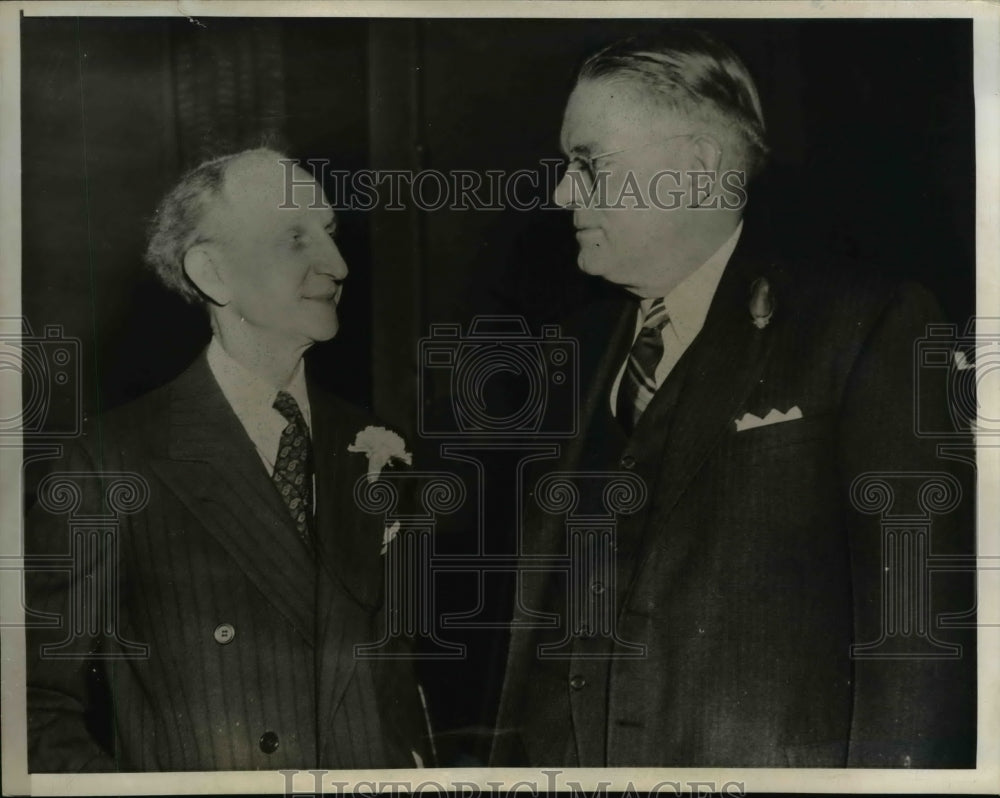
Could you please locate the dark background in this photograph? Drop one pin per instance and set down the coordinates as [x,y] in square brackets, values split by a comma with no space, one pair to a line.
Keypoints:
[871,125]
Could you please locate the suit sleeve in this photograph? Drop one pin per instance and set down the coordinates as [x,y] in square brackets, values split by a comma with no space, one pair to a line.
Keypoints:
[68,708]
[915,708]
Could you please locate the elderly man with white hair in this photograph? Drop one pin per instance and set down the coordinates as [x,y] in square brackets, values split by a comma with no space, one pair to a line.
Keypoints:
[250,575]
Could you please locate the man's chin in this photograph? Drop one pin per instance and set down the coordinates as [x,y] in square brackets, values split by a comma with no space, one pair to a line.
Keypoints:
[592,265]
[330,335]
[326,331]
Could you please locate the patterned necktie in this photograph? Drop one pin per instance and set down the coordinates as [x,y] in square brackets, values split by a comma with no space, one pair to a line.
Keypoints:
[293,467]
[638,383]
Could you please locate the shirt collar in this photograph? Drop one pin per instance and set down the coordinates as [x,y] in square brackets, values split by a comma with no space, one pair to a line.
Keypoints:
[687,304]
[250,395]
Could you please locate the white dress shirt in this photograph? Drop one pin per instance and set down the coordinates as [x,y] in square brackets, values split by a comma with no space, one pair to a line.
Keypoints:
[252,399]
[687,306]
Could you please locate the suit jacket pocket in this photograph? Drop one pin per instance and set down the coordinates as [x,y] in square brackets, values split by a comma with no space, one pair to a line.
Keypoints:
[785,433]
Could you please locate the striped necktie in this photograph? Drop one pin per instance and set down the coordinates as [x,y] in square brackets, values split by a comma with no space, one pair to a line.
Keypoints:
[639,380]
[293,466]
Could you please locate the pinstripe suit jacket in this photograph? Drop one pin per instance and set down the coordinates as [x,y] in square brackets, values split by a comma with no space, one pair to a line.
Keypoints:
[739,586]
[232,646]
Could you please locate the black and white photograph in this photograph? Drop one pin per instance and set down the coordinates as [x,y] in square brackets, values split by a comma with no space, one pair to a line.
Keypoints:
[487,398]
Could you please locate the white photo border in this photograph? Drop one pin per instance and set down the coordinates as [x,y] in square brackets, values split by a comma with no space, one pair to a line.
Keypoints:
[984,779]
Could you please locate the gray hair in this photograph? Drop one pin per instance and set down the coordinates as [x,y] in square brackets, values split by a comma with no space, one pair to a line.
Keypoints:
[176,225]
[692,72]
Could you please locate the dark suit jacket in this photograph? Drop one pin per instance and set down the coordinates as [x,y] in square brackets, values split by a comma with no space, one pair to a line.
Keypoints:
[749,573]
[250,661]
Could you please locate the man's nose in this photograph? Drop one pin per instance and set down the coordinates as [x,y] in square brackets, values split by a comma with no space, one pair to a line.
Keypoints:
[565,192]
[332,263]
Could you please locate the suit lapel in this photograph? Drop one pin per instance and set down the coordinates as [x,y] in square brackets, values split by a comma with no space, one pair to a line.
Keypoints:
[348,539]
[214,469]
[709,386]
[348,548]
[726,360]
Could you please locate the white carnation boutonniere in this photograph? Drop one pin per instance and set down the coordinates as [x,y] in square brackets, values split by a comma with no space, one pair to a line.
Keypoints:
[383,446]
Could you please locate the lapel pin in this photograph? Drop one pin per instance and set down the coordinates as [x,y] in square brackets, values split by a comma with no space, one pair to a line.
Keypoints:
[761,303]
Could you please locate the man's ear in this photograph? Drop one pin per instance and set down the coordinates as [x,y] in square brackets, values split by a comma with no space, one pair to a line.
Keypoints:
[707,153]
[202,266]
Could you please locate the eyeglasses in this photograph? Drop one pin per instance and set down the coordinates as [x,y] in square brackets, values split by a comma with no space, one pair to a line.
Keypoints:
[587,164]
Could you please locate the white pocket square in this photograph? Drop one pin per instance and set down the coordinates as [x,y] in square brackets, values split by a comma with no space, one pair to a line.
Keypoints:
[774,416]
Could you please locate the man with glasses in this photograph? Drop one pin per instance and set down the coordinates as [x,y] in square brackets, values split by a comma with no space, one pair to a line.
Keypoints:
[751,614]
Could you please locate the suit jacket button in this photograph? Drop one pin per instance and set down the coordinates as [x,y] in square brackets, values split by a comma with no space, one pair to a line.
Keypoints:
[577,682]
[628,461]
[224,633]
[597,588]
[269,742]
